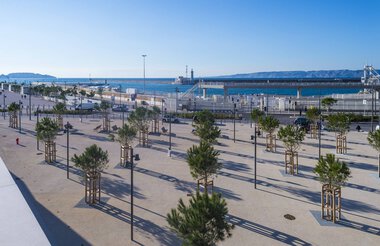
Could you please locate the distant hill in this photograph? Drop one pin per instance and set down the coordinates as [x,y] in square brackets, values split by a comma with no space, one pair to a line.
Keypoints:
[299,74]
[26,76]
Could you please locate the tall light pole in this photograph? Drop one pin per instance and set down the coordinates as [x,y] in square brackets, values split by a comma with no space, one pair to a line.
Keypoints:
[38,121]
[144,70]
[176,99]
[68,126]
[4,96]
[255,166]
[320,126]
[137,158]
[30,101]
[19,113]
[234,122]
[170,135]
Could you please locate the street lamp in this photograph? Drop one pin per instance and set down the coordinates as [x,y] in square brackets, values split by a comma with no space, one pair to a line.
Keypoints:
[176,99]
[234,121]
[137,158]
[4,96]
[38,120]
[30,101]
[144,70]
[19,113]
[67,126]
[320,126]
[255,162]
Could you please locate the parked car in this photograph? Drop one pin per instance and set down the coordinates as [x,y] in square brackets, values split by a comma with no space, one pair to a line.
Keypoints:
[302,122]
[86,106]
[167,118]
[120,108]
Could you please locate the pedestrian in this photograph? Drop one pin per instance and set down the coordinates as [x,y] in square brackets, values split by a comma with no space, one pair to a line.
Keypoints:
[358,128]
[17,141]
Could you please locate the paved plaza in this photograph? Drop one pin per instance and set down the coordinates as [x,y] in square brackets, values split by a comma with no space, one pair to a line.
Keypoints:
[160,181]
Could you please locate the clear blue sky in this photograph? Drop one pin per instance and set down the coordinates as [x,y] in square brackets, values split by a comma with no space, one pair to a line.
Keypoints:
[107,38]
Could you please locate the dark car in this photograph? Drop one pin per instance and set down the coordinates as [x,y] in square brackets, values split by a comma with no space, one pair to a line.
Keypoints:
[120,108]
[302,122]
[167,118]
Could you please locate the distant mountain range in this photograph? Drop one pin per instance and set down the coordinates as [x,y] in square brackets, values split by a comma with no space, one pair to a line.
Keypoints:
[25,76]
[299,74]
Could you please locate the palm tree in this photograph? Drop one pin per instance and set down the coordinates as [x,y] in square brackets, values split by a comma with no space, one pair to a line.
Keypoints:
[125,136]
[269,125]
[333,174]
[13,108]
[92,161]
[156,112]
[202,222]
[47,130]
[256,114]
[203,163]
[204,126]
[340,124]
[59,109]
[104,106]
[374,140]
[312,115]
[140,119]
[292,136]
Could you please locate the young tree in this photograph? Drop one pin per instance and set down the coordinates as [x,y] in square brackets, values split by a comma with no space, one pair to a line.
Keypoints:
[340,124]
[140,120]
[47,130]
[125,136]
[333,174]
[13,108]
[203,162]
[58,110]
[204,126]
[374,140]
[92,161]
[104,106]
[256,114]
[269,124]
[312,115]
[292,136]
[156,112]
[202,222]
[328,102]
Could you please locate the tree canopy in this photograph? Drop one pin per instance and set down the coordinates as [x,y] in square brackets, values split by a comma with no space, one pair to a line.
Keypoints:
[327,102]
[205,128]
[202,222]
[339,122]
[269,123]
[47,129]
[14,107]
[126,134]
[332,171]
[256,114]
[140,118]
[292,136]
[312,114]
[203,160]
[93,159]
[374,139]
[59,108]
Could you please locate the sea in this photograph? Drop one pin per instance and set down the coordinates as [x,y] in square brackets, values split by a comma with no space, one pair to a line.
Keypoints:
[163,86]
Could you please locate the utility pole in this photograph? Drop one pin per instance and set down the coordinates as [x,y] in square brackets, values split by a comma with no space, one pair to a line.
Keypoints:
[234,122]
[30,101]
[144,70]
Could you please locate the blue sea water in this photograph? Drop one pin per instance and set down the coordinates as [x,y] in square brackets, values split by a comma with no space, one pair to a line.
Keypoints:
[164,86]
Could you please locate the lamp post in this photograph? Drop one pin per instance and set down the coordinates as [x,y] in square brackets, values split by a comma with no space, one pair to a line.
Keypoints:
[38,120]
[250,113]
[4,96]
[137,158]
[30,101]
[68,126]
[170,136]
[176,99]
[320,126]
[144,70]
[234,121]
[19,114]
[255,162]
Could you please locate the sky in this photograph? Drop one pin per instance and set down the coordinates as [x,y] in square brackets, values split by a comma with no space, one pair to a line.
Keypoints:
[91,38]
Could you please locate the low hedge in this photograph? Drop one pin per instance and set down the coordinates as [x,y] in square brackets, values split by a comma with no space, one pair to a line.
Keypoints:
[67,112]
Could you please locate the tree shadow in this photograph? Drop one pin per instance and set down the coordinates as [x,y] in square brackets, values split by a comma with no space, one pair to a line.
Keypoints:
[186,186]
[266,231]
[235,166]
[165,237]
[57,231]
[119,188]
[359,226]
[362,166]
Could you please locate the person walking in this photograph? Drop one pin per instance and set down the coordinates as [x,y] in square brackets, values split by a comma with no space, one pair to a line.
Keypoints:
[17,141]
